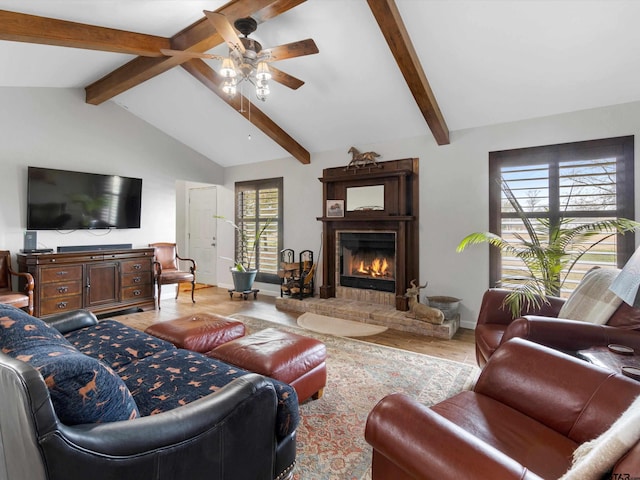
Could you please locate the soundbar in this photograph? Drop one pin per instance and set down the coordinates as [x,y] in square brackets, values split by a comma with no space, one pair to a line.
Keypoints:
[92,248]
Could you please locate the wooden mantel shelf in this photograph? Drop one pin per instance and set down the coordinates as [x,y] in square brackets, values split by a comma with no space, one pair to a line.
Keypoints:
[369,218]
[371,173]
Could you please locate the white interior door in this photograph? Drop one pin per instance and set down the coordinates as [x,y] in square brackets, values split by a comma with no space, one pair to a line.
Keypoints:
[202,233]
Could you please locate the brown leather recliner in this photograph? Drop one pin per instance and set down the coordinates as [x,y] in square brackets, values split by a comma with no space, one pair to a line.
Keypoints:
[7,295]
[531,407]
[167,268]
[496,325]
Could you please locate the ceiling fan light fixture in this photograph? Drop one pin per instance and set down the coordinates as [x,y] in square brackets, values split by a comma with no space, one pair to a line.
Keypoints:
[262,71]
[228,70]
[262,90]
[229,87]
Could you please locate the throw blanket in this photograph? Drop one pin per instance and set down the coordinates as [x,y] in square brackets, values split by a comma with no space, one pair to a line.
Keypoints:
[592,460]
[592,301]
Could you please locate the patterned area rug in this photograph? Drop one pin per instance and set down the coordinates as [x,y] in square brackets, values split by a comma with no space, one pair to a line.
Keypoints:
[331,441]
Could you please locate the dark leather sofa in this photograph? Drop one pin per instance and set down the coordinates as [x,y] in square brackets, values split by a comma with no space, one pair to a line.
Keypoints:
[496,326]
[230,434]
[531,407]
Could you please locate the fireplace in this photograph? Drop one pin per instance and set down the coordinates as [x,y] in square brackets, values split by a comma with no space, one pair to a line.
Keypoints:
[367,260]
[371,254]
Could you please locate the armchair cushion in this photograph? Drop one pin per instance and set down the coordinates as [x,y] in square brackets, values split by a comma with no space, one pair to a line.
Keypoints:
[82,389]
[592,301]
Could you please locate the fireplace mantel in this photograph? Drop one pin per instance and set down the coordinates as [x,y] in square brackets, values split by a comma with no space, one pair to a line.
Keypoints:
[399,214]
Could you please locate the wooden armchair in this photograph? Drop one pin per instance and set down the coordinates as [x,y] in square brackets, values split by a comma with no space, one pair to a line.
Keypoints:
[167,268]
[7,295]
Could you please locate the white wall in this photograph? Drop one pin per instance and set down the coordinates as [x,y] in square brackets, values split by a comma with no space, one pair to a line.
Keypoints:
[55,128]
[453,191]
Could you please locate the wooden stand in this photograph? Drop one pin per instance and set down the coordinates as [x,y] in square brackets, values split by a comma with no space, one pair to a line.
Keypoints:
[244,294]
[99,281]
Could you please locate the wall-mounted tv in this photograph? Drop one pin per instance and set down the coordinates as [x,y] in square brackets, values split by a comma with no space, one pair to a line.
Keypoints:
[65,200]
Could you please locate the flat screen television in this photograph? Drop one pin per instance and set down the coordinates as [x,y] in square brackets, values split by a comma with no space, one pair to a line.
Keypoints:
[65,200]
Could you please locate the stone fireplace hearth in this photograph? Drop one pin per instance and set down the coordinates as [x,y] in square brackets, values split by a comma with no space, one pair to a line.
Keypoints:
[371,248]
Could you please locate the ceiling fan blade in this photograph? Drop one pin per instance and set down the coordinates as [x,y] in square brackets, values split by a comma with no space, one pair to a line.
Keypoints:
[285,79]
[182,53]
[226,30]
[289,50]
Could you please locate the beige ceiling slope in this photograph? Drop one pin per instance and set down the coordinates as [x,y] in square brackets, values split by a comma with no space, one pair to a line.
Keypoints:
[392,27]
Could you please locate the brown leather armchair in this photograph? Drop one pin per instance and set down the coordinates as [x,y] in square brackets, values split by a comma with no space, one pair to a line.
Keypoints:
[531,407]
[167,268]
[496,326]
[7,295]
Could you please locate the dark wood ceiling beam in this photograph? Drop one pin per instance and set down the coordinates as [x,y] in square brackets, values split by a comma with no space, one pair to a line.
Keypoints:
[209,78]
[394,31]
[198,37]
[20,27]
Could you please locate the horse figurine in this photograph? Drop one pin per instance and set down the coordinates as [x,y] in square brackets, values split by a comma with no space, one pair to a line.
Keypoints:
[359,160]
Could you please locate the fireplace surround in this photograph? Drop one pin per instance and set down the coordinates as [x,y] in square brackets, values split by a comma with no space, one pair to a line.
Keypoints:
[386,226]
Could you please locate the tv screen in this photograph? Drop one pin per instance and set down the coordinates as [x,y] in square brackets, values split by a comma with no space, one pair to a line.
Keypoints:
[64,200]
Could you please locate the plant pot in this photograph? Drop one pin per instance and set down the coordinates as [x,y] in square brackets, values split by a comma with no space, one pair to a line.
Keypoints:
[243,281]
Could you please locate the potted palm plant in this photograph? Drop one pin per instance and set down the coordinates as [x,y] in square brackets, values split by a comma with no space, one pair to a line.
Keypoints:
[243,270]
[549,251]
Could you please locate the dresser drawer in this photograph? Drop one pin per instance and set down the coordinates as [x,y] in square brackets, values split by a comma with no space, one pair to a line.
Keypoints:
[60,273]
[134,266]
[133,293]
[61,304]
[61,289]
[136,279]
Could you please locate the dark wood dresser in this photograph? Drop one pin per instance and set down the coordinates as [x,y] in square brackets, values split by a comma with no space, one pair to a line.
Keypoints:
[99,281]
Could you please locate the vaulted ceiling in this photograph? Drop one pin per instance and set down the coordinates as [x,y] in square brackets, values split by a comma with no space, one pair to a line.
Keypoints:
[386,69]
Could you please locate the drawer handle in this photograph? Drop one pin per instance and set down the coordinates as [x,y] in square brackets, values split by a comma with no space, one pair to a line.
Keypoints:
[136,279]
[62,305]
[137,266]
[61,272]
[63,289]
[137,293]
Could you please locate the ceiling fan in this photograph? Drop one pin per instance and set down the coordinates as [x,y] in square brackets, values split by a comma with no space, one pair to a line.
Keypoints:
[247,59]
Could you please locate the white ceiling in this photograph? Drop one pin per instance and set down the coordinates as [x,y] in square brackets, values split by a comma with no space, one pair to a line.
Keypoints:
[488,62]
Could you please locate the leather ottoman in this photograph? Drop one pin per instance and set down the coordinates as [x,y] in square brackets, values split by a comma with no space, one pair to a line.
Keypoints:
[288,357]
[199,333]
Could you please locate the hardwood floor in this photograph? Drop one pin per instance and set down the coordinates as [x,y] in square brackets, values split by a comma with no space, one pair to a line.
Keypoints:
[216,300]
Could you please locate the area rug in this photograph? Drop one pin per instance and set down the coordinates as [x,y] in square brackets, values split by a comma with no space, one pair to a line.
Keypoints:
[337,326]
[331,441]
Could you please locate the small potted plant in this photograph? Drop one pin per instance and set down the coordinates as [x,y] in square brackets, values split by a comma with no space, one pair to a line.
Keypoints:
[243,270]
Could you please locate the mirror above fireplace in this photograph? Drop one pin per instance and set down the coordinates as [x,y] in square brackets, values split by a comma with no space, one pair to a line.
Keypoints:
[365,198]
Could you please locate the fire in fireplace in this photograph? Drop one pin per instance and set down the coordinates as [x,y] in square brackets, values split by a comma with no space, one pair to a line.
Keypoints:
[367,260]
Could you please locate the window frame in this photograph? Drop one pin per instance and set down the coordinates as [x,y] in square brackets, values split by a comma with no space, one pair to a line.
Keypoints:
[257,185]
[620,147]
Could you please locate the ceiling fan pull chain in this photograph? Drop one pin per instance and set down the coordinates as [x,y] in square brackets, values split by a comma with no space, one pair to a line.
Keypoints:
[249,136]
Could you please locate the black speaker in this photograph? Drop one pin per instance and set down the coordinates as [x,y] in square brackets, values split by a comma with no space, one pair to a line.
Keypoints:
[30,240]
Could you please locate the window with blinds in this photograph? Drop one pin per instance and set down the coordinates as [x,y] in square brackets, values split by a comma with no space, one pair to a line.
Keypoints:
[573,184]
[259,208]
